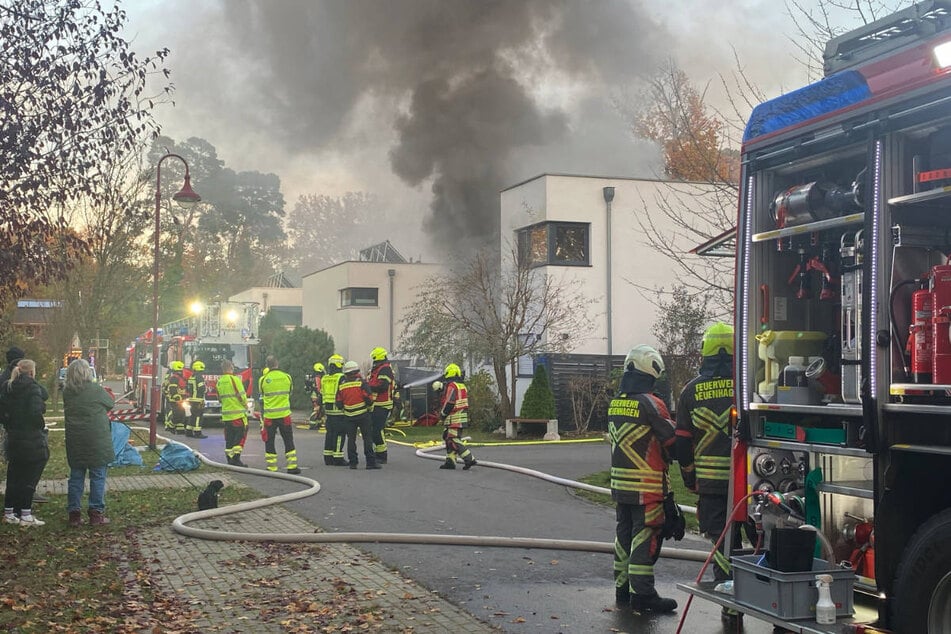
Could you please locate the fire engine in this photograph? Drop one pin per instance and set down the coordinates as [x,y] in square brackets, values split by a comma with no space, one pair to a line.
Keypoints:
[220,331]
[843,308]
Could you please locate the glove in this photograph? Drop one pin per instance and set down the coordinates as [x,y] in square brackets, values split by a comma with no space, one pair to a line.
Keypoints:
[675,524]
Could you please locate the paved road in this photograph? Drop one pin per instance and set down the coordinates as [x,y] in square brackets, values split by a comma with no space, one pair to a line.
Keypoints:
[517,590]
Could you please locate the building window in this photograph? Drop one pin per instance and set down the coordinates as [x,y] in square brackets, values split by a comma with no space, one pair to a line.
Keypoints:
[359,297]
[554,243]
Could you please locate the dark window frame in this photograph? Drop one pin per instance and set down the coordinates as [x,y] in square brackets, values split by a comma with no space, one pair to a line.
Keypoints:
[539,245]
[350,297]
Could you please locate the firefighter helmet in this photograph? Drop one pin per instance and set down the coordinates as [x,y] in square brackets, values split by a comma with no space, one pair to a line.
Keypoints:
[265,371]
[350,366]
[452,370]
[437,385]
[335,359]
[644,359]
[718,337]
[198,366]
[176,366]
[378,354]
[318,367]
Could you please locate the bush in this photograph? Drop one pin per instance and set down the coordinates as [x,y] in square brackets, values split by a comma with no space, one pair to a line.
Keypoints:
[539,401]
[484,413]
[296,351]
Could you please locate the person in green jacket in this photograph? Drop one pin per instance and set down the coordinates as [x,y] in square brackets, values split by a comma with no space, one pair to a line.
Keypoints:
[89,447]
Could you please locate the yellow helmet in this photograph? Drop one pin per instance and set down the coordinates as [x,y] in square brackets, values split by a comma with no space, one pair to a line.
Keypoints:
[265,370]
[176,366]
[318,367]
[378,354]
[452,370]
[718,337]
[198,366]
[335,359]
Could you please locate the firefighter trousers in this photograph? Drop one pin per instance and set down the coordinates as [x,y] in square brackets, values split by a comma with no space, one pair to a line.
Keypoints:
[637,546]
[175,417]
[193,423]
[455,446]
[269,431]
[360,424]
[236,433]
[378,418]
[334,437]
[711,515]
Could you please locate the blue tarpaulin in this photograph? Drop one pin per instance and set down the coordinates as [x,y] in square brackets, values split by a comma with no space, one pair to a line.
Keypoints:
[177,457]
[823,97]
[125,453]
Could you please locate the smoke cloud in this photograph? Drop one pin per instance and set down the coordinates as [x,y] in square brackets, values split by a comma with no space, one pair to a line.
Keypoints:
[467,97]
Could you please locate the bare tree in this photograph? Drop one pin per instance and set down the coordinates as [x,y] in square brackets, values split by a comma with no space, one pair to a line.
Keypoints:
[73,101]
[588,394]
[481,311]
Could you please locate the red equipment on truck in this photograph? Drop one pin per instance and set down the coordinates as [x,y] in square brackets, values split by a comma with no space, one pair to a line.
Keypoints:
[220,331]
[861,451]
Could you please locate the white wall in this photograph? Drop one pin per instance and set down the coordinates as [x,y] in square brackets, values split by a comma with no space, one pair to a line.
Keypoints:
[358,329]
[267,296]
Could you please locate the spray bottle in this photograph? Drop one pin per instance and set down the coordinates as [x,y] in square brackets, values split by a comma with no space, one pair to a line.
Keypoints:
[825,608]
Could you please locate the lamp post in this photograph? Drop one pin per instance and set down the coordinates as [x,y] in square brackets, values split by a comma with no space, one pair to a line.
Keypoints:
[186,198]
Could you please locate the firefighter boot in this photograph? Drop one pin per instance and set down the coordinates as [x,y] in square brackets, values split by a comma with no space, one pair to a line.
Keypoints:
[470,462]
[622,596]
[328,460]
[652,603]
[449,464]
[381,457]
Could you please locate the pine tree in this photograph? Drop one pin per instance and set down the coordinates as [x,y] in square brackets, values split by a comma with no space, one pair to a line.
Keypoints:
[539,401]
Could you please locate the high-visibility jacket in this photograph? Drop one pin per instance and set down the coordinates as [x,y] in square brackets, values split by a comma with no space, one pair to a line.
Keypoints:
[455,404]
[353,396]
[232,396]
[704,437]
[329,385]
[196,387]
[174,387]
[641,431]
[382,381]
[276,388]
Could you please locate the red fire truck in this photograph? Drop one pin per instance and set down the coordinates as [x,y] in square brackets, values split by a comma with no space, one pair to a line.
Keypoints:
[218,332]
[843,308]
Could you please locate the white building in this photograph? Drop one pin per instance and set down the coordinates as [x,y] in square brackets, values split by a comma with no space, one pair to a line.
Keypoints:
[279,297]
[360,304]
[586,229]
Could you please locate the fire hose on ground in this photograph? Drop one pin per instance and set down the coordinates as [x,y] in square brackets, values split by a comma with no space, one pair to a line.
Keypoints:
[181,524]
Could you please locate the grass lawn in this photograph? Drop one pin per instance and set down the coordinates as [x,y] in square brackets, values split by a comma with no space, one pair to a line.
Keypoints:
[92,579]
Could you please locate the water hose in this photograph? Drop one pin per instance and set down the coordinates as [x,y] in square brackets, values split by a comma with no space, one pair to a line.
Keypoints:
[180,524]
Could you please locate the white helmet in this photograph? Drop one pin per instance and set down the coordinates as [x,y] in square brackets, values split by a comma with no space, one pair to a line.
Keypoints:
[645,359]
[437,385]
[350,366]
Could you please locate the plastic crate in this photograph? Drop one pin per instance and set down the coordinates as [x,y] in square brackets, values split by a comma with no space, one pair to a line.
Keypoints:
[789,595]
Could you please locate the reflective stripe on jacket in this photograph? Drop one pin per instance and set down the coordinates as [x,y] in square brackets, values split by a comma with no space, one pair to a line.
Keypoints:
[703,424]
[382,381]
[232,397]
[196,387]
[276,388]
[329,385]
[354,397]
[640,429]
[455,404]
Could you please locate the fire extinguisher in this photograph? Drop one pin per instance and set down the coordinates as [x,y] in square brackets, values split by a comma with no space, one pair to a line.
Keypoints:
[862,536]
[920,335]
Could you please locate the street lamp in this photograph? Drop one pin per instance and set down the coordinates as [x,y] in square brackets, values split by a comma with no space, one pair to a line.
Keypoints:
[186,198]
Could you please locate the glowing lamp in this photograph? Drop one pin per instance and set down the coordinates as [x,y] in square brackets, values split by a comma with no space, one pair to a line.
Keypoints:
[942,54]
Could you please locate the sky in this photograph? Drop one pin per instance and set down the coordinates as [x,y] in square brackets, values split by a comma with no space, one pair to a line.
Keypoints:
[435,106]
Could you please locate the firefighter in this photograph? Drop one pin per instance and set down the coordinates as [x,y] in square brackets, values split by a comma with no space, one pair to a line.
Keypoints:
[174,388]
[336,425]
[356,401]
[276,388]
[641,435]
[454,414]
[382,383]
[196,400]
[705,440]
[317,419]
[234,418]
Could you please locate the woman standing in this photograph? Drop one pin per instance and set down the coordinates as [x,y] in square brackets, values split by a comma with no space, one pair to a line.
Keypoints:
[27,449]
[88,442]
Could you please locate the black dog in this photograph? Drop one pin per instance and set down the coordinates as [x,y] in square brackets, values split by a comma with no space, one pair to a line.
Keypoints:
[208,499]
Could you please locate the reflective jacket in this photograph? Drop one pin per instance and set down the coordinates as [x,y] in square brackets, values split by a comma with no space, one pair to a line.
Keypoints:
[231,394]
[353,396]
[174,387]
[382,381]
[276,388]
[196,387]
[704,437]
[329,385]
[641,431]
[455,405]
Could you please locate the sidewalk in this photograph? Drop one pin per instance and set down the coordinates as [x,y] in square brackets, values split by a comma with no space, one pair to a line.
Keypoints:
[270,587]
